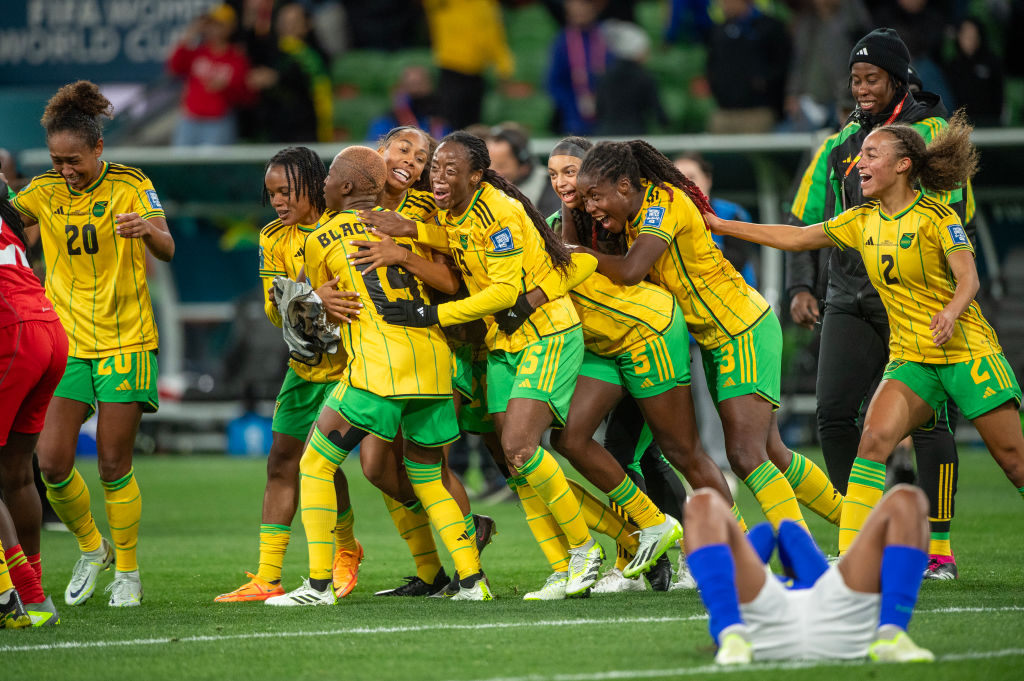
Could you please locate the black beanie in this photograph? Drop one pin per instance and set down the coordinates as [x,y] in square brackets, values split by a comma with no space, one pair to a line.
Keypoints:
[883,48]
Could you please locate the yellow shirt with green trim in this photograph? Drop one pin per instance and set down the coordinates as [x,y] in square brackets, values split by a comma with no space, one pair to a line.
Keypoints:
[96,279]
[281,255]
[417,205]
[905,257]
[716,301]
[386,359]
[617,318]
[501,254]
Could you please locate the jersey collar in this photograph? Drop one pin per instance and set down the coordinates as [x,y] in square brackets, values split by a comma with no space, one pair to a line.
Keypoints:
[103,174]
[902,212]
[647,199]
[472,203]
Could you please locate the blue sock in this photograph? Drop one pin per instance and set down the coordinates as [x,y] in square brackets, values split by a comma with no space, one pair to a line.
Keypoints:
[714,570]
[800,556]
[762,537]
[902,572]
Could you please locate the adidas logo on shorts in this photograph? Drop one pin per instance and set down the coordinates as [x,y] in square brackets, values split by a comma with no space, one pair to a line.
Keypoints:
[125,385]
[647,383]
[989,392]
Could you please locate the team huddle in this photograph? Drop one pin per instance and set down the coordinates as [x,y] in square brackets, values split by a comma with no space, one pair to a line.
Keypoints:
[424,296]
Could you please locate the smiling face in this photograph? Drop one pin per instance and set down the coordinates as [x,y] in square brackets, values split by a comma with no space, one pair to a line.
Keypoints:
[451,178]
[405,156]
[612,204]
[291,207]
[871,87]
[563,171]
[879,167]
[77,162]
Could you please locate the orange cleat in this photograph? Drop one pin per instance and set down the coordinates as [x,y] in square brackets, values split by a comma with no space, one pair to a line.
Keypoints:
[255,589]
[346,570]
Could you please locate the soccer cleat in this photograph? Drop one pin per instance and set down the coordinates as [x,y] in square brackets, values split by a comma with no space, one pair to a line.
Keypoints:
[305,595]
[12,612]
[256,589]
[83,575]
[414,586]
[450,590]
[584,567]
[941,567]
[614,582]
[346,570]
[660,576]
[126,590]
[684,580]
[654,541]
[553,589]
[43,614]
[474,588]
[734,648]
[896,646]
[486,529]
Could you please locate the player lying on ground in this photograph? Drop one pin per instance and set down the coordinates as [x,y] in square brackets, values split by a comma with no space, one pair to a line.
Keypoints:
[859,607]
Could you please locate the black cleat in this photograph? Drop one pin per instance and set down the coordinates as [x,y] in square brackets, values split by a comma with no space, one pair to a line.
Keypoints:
[941,570]
[12,613]
[486,528]
[450,589]
[414,586]
[660,576]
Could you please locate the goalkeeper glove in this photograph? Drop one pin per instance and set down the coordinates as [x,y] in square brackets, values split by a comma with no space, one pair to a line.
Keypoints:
[511,319]
[409,313]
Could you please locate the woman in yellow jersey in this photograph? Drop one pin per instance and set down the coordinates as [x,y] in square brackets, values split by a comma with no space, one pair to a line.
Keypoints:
[97,221]
[292,186]
[630,187]
[921,262]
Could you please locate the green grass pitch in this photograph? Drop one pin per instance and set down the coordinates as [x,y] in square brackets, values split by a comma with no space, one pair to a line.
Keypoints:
[200,522]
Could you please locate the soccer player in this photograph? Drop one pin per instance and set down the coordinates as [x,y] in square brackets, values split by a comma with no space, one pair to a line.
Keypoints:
[859,607]
[630,187]
[97,221]
[921,262]
[395,378]
[293,183]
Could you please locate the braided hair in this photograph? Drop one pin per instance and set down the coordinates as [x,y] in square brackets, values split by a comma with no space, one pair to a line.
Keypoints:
[78,107]
[11,218]
[945,164]
[588,231]
[422,184]
[479,159]
[306,173]
[638,161]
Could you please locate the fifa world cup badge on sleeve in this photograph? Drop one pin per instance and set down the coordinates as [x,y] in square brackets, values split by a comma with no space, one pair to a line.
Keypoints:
[154,200]
[958,235]
[502,240]
[654,216]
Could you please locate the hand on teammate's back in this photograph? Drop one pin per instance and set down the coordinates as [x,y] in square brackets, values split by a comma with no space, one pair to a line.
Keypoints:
[340,306]
[374,254]
[389,222]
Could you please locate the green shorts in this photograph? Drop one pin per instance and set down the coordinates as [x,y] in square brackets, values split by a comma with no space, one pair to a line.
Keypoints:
[750,364]
[977,386]
[471,382]
[544,371]
[298,405]
[428,422]
[130,377]
[651,369]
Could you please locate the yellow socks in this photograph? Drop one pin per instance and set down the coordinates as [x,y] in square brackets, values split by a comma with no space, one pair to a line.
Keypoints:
[70,501]
[273,544]
[445,515]
[5,576]
[813,488]
[774,494]
[867,483]
[739,517]
[545,476]
[545,530]
[414,528]
[637,505]
[344,530]
[318,502]
[124,511]
[608,519]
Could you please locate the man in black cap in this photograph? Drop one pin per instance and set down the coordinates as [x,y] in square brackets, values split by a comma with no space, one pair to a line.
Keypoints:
[854,325]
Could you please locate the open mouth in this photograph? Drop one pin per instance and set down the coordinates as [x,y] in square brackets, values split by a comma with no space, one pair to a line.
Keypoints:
[402,176]
[441,195]
[568,197]
[603,220]
[867,104]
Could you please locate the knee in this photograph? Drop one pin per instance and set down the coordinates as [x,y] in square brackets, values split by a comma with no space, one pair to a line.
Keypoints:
[282,464]
[704,503]
[745,460]
[569,442]
[15,471]
[876,443]
[517,452]
[907,500]
[114,468]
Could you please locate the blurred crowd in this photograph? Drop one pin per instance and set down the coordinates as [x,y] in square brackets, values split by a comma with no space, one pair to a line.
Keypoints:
[260,70]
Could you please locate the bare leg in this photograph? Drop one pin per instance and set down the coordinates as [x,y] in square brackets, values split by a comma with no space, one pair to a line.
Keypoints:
[708,520]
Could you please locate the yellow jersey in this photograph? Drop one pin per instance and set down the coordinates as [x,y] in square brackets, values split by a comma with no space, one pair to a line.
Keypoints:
[616,318]
[468,36]
[386,359]
[905,257]
[96,279]
[281,255]
[717,303]
[501,254]
[417,205]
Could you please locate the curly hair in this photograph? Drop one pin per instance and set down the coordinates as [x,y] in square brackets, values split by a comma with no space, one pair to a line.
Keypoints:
[480,160]
[79,108]
[422,184]
[947,163]
[637,161]
[588,231]
[306,173]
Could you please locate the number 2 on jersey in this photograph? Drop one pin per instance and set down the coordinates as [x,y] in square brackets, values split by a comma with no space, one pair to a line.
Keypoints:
[888,262]
[90,242]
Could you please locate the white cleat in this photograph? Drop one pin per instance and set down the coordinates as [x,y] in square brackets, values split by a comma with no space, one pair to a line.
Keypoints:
[480,591]
[684,580]
[734,648]
[654,541]
[553,589]
[614,582]
[892,644]
[126,590]
[305,595]
[584,567]
[83,575]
